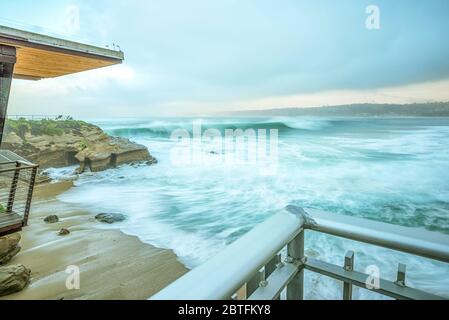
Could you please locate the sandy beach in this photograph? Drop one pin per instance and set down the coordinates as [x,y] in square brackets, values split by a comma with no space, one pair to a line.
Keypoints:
[112,265]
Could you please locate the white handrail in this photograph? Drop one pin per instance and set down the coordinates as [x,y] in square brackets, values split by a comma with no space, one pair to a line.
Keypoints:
[415,241]
[223,275]
[226,273]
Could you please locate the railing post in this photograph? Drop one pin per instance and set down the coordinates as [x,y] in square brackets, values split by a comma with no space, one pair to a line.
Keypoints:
[400,280]
[401,275]
[29,196]
[271,267]
[295,289]
[12,191]
[253,284]
[349,266]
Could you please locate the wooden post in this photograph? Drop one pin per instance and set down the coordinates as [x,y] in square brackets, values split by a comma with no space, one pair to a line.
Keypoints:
[7,61]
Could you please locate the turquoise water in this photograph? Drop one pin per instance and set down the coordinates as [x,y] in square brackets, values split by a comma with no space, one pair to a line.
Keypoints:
[391,170]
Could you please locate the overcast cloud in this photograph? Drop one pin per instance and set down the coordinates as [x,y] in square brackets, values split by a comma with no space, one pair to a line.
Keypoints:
[202,56]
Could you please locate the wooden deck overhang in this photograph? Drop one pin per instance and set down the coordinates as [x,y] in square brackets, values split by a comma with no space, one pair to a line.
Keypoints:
[40,56]
[32,56]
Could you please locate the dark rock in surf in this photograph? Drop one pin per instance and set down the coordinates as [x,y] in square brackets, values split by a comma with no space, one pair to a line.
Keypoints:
[110,218]
[52,219]
[64,232]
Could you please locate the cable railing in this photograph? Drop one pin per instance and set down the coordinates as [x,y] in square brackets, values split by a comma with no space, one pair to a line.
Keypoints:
[17,181]
[256,266]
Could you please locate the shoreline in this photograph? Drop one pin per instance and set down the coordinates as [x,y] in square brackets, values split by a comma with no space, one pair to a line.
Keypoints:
[112,264]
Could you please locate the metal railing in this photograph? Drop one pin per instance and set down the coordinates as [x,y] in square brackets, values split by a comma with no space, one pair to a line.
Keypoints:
[17,181]
[264,275]
[38,117]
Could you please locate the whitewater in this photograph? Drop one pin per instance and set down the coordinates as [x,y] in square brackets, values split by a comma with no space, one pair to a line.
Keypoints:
[394,170]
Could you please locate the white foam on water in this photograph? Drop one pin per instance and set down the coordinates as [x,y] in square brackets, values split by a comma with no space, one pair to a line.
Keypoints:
[62,174]
[395,172]
[303,123]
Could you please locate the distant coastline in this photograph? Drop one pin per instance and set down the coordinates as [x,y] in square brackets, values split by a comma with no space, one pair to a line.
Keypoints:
[436,109]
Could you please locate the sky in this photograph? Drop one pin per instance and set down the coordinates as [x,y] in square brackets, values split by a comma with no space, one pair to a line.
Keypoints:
[207,57]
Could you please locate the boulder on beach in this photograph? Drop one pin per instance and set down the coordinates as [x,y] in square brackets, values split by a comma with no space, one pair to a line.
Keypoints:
[64,232]
[13,279]
[62,143]
[110,217]
[9,247]
[52,219]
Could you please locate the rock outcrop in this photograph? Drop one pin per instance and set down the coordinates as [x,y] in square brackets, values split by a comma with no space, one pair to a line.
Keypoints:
[13,279]
[61,143]
[9,247]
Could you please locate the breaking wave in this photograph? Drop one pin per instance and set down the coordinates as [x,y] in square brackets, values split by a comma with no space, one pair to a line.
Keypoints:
[390,170]
[163,128]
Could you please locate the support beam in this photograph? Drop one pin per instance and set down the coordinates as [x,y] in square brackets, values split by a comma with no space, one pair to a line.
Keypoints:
[7,61]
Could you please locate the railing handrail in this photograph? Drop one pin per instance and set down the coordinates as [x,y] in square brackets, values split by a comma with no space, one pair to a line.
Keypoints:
[414,241]
[231,269]
[20,166]
[260,245]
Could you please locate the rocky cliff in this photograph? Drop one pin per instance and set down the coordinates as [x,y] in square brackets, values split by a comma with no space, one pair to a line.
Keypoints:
[60,143]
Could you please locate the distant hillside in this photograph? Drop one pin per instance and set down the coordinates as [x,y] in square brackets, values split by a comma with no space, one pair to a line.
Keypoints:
[440,109]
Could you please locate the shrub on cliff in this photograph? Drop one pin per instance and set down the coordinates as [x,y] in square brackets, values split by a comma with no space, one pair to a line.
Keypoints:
[43,127]
[19,127]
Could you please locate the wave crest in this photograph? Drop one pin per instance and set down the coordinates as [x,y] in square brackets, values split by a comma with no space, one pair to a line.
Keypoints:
[163,128]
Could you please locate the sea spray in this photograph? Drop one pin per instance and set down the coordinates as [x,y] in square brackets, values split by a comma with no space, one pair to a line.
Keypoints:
[390,170]
[235,147]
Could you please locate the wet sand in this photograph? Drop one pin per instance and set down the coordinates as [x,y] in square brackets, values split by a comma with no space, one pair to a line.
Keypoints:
[112,265]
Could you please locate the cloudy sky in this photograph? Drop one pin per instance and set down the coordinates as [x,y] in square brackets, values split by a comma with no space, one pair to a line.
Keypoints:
[203,56]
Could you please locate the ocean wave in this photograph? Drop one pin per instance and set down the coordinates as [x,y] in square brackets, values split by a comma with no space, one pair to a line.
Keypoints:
[312,124]
[61,174]
[364,168]
[165,127]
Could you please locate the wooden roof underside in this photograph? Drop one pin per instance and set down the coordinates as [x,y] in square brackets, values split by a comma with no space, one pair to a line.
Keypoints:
[41,56]
[35,63]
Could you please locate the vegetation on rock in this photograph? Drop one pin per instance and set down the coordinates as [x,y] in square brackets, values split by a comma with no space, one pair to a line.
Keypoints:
[44,127]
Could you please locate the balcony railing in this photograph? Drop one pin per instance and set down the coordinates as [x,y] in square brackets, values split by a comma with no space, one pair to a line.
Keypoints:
[17,180]
[255,265]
